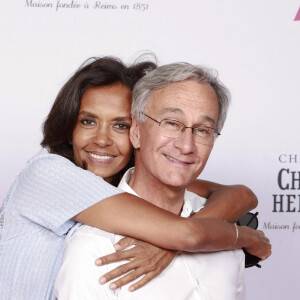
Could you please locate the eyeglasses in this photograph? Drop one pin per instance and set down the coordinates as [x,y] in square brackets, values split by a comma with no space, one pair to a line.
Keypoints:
[173,129]
[251,221]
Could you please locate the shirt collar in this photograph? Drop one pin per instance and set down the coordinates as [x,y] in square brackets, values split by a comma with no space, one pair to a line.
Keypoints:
[187,209]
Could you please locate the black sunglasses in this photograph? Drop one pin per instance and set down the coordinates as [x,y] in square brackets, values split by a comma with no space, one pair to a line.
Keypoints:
[251,221]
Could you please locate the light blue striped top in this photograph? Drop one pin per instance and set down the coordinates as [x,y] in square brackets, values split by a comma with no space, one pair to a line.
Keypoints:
[35,218]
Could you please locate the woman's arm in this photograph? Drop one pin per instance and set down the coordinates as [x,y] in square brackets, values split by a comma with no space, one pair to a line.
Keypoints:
[149,260]
[142,220]
[66,191]
[168,231]
[225,202]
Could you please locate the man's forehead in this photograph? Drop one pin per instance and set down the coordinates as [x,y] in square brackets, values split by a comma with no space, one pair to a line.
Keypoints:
[189,89]
[185,98]
[180,86]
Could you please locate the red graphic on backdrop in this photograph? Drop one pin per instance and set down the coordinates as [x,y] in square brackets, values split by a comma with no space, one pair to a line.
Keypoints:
[297,18]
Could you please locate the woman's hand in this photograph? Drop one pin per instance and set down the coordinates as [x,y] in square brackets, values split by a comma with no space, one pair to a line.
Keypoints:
[145,259]
[260,245]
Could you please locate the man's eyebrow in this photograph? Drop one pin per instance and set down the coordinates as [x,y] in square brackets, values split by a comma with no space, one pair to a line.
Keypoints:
[179,111]
[208,119]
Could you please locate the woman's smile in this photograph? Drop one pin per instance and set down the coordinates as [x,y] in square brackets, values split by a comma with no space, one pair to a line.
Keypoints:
[101,136]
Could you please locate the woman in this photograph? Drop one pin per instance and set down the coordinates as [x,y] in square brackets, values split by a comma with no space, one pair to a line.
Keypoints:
[52,193]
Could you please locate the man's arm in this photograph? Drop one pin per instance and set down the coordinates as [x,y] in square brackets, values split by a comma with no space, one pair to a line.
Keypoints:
[225,202]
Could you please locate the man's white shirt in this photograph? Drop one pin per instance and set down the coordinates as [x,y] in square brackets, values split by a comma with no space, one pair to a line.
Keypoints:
[208,276]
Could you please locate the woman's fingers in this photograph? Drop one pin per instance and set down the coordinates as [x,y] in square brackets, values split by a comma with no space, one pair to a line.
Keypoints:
[145,260]
[119,255]
[133,275]
[262,247]
[266,245]
[114,257]
[147,278]
[125,242]
[121,270]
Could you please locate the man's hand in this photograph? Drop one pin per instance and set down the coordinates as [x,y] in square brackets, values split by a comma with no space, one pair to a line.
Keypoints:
[145,259]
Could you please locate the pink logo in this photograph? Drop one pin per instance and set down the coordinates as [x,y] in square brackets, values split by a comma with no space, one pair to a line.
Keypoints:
[297,18]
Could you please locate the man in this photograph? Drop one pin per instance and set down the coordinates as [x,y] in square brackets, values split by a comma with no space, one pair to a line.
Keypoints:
[178,111]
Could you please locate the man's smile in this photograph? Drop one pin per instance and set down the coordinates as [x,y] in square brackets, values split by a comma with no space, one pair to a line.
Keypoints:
[177,160]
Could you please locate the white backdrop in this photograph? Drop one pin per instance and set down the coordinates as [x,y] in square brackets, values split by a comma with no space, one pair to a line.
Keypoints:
[254,45]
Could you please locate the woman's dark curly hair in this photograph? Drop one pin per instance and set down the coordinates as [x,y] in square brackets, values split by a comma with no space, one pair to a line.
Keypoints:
[95,72]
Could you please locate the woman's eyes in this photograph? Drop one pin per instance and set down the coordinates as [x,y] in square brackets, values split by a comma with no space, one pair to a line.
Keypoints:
[87,122]
[122,126]
[117,126]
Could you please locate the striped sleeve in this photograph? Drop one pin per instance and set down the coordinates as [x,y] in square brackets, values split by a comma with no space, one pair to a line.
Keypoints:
[52,190]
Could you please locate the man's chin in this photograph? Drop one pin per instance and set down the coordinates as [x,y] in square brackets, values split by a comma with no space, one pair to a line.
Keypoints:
[177,183]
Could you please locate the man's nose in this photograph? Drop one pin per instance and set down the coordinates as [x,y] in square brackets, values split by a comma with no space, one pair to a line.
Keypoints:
[103,137]
[185,142]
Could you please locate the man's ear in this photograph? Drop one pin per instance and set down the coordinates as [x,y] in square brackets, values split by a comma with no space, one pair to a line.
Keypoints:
[135,134]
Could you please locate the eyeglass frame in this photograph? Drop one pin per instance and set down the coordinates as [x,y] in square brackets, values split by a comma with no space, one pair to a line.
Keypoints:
[216,133]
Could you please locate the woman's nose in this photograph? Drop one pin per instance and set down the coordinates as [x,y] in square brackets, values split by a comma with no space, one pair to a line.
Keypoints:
[102,137]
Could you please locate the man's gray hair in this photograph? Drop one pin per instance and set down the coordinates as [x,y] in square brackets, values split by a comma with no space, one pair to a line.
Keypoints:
[176,72]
